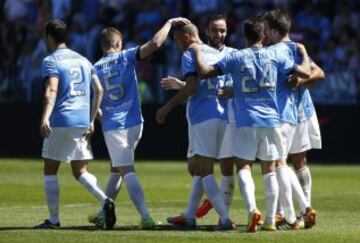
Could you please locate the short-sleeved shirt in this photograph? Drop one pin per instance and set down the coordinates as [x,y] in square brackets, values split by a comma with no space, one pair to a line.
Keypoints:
[285,94]
[72,106]
[204,104]
[228,104]
[121,106]
[254,72]
[303,101]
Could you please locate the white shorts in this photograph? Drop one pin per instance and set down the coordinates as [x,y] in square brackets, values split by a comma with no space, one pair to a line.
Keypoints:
[205,138]
[301,141]
[121,145]
[67,144]
[314,132]
[225,149]
[288,133]
[258,142]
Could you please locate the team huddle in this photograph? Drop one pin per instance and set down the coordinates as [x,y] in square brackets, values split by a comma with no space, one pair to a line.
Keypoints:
[242,106]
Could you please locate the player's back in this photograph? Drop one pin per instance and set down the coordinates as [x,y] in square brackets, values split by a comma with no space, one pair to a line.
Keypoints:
[72,107]
[302,95]
[204,104]
[285,94]
[121,103]
[254,74]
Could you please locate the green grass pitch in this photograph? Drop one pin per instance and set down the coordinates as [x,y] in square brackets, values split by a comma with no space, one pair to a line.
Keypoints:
[336,197]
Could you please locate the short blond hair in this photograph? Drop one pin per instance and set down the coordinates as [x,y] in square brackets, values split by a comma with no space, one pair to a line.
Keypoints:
[108,37]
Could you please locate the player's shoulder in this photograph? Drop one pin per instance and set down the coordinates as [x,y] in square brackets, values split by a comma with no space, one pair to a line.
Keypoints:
[229,49]
[49,58]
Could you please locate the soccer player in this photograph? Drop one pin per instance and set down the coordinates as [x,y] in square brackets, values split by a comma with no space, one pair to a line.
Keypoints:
[278,26]
[254,71]
[121,117]
[67,121]
[216,31]
[206,123]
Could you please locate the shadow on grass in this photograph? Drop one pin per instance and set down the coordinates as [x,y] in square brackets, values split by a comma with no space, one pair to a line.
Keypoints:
[208,228]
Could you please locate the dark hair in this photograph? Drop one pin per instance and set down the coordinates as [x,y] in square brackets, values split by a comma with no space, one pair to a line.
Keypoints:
[214,17]
[107,37]
[254,29]
[279,20]
[56,29]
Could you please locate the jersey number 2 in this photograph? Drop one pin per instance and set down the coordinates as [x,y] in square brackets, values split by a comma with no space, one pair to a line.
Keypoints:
[76,81]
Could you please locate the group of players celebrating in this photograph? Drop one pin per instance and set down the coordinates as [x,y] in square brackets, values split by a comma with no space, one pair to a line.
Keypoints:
[242,105]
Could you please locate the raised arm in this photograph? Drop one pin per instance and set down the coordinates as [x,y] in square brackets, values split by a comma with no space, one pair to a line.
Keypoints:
[160,37]
[204,70]
[188,90]
[49,103]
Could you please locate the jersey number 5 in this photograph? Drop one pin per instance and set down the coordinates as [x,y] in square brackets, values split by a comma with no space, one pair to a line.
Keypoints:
[116,89]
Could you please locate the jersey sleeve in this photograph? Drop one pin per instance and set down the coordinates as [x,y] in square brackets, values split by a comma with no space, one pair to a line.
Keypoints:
[285,63]
[226,64]
[188,65]
[132,55]
[49,68]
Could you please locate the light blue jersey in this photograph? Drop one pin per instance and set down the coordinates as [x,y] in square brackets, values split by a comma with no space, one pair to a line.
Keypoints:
[72,107]
[304,103]
[228,104]
[204,104]
[285,94]
[121,107]
[254,72]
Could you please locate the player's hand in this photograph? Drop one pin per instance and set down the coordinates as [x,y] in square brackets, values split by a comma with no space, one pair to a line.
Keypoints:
[295,81]
[170,83]
[90,131]
[162,113]
[225,92]
[179,21]
[45,129]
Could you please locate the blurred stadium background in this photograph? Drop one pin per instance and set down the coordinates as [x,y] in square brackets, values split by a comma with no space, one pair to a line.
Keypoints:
[328,28]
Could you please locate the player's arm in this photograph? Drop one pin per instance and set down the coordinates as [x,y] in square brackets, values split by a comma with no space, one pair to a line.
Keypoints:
[188,90]
[303,70]
[205,71]
[160,37]
[96,100]
[317,74]
[51,86]
[172,83]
